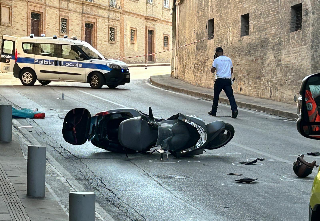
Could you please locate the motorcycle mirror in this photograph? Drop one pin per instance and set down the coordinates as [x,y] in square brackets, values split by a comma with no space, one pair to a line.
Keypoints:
[150,113]
[308,123]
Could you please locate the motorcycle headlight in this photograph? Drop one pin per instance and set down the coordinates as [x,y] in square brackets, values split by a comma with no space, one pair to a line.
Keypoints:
[114,66]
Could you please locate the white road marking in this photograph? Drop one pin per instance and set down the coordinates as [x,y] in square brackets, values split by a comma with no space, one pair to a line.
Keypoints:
[103,99]
[262,153]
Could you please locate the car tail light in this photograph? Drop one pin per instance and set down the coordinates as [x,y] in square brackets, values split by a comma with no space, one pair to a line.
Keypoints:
[16,56]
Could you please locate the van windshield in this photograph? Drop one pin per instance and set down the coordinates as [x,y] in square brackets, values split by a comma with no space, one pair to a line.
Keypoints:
[91,52]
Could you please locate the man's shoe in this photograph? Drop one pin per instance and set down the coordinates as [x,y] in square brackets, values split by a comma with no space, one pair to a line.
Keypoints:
[234,114]
[212,113]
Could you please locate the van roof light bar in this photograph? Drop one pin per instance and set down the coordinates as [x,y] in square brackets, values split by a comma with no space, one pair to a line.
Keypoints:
[31,35]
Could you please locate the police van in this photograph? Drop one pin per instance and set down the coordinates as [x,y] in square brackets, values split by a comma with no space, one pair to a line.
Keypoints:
[49,59]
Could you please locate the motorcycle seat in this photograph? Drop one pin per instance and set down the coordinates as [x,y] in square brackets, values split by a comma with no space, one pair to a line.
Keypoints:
[136,134]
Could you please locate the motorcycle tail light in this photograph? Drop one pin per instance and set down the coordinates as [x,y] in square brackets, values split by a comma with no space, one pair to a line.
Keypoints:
[102,113]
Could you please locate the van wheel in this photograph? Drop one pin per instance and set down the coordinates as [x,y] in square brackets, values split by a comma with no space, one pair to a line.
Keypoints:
[28,77]
[112,86]
[44,82]
[96,80]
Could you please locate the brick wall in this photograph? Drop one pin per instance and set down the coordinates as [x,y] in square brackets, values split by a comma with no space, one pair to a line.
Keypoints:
[123,16]
[270,62]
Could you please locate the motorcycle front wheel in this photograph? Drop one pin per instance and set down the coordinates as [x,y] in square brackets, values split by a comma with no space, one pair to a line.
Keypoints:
[222,139]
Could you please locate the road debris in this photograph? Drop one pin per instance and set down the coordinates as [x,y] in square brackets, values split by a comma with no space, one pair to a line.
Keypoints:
[314,153]
[246,180]
[27,113]
[253,162]
[235,174]
[302,168]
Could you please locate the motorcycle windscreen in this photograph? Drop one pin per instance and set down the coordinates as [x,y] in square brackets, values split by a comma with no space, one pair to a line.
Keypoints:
[76,126]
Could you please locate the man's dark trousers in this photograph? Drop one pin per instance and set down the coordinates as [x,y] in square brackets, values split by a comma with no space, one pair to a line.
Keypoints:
[219,85]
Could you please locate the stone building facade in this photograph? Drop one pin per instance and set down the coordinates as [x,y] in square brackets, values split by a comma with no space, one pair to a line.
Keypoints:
[274,44]
[119,29]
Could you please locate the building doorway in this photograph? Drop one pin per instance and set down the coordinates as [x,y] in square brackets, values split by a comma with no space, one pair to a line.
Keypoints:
[35,23]
[150,45]
[89,33]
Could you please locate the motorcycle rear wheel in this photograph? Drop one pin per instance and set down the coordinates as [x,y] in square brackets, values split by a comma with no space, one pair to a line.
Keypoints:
[222,139]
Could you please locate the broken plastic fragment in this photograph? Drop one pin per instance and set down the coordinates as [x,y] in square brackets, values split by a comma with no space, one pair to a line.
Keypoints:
[236,174]
[251,162]
[246,180]
[314,153]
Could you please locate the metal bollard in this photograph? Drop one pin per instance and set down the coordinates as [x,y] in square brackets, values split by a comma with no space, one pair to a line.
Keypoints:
[36,171]
[81,206]
[6,123]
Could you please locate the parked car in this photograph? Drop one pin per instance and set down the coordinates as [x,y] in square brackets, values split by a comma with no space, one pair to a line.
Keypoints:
[49,59]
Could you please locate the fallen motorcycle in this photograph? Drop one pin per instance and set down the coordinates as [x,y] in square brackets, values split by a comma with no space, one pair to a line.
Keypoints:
[131,131]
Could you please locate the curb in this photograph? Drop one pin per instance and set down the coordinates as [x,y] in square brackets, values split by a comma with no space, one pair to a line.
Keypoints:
[144,65]
[285,114]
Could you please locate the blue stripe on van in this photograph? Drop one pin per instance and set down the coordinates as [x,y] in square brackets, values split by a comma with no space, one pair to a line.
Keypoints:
[64,63]
[96,66]
[25,60]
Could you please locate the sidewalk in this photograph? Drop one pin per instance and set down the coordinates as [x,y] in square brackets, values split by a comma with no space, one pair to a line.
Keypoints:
[14,202]
[268,106]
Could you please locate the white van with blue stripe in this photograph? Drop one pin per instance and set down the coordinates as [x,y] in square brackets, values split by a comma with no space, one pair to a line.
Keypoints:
[49,59]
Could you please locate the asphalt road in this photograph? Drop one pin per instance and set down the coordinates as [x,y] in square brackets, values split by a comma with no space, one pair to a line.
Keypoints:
[142,187]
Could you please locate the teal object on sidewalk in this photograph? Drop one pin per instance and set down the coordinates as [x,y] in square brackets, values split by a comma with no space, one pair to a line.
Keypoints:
[26,113]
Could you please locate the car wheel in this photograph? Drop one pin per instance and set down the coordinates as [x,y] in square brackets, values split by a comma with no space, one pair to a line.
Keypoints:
[44,82]
[112,86]
[28,77]
[96,80]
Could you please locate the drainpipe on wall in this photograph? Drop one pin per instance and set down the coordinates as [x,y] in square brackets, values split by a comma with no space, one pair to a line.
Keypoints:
[176,40]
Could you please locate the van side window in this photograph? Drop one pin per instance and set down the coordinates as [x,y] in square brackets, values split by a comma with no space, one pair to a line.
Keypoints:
[27,47]
[57,51]
[7,47]
[68,52]
[47,49]
[36,49]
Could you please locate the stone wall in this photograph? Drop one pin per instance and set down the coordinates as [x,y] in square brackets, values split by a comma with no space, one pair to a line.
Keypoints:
[269,62]
[126,14]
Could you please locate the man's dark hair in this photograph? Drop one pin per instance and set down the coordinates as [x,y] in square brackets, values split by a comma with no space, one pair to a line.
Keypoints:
[219,49]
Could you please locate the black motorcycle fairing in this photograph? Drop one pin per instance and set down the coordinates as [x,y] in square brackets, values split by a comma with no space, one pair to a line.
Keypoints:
[105,129]
[175,135]
[137,134]
[107,126]
[76,126]
[213,128]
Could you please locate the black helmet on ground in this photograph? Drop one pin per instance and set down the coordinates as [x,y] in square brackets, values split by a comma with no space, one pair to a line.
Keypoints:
[302,168]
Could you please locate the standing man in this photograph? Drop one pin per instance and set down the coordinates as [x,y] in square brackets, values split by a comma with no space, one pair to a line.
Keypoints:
[223,65]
